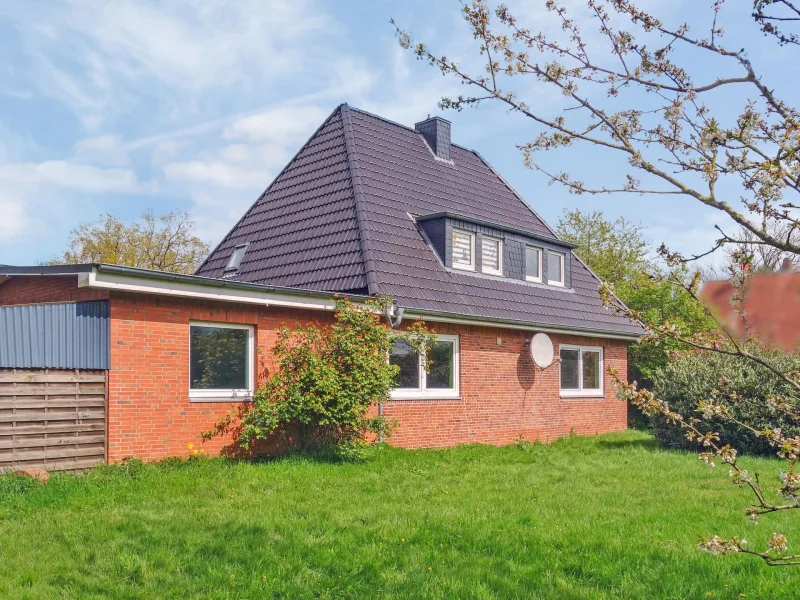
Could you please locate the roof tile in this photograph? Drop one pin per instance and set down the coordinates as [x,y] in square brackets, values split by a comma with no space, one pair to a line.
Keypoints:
[340,217]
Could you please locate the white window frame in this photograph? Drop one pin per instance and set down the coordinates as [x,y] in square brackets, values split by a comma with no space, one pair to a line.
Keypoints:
[563,258]
[422,392]
[471,266]
[231,395]
[499,255]
[581,392]
[528,277]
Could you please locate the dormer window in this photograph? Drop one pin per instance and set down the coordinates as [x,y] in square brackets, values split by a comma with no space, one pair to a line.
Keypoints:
[463,250]
[492,255]
[236,259]
[555,268]
[533,264]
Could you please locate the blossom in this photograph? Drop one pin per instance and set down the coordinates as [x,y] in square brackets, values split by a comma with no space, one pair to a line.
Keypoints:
[778,542]
[716,545]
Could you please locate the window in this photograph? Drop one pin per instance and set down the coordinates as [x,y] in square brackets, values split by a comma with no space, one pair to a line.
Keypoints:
[533,264]
[463,250]
[492,255]
[581,370]
[220,362]
[236,258]
[555,268]
[441,379]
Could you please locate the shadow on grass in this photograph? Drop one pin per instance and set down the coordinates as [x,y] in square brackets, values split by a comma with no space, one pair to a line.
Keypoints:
[647,444]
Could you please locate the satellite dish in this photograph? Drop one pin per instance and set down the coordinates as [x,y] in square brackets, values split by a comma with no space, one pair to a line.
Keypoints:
[542,350]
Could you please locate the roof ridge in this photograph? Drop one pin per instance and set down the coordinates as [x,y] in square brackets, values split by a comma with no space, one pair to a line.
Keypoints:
[358,195]
[476,153]
[396,124]
[269,187]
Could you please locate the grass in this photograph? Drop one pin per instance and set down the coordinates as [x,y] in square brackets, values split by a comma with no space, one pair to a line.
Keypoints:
[605,517]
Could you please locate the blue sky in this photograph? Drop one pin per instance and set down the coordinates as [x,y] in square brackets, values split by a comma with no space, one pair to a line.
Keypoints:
[126,105]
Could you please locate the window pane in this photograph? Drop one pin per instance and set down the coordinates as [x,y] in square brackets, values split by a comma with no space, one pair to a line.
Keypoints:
[440,366]
[591,370]
[532,263]
[490,254]
[569,369]
[404,356]
[236,258]
[218,358]
[462,248]
[554,266]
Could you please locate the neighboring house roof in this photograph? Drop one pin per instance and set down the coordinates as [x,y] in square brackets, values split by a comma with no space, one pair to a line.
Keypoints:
[341,217]
[771,306]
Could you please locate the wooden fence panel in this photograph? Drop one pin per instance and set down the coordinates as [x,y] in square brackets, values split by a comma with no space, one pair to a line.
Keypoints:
[55,419]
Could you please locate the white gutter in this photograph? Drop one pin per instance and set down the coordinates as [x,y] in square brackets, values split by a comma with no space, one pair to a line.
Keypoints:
[137,283]
[410,314]
[127,283]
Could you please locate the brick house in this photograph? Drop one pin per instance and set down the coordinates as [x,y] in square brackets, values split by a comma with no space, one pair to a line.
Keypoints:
[769,308]
[366,207]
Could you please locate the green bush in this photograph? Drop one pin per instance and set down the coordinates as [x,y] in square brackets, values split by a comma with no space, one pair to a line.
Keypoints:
[692,377]
[327,384]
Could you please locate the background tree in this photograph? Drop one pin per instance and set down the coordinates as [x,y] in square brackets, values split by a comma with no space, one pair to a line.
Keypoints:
[727,141]
[760,257]
[615,250]
[161,242]
[619,254]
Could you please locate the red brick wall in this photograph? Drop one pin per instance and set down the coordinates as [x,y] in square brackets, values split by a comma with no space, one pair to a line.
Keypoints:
[150,415]
[46,288]
[503,395]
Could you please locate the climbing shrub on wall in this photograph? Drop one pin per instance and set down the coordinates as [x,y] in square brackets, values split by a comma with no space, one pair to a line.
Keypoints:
[327,382]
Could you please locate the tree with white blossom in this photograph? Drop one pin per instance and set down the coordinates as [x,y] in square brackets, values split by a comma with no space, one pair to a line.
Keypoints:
[636,91]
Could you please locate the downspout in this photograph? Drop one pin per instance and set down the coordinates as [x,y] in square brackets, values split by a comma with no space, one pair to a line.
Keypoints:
[394,323]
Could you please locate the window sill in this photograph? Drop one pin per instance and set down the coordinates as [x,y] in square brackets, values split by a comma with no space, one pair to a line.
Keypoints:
[582,394]
[222,397]
[469,269]
[425,396]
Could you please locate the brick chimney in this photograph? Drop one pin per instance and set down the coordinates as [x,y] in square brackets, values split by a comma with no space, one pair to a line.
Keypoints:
[436,132]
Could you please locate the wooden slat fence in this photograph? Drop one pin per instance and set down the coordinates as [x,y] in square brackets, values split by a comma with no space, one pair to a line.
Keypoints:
[55,419]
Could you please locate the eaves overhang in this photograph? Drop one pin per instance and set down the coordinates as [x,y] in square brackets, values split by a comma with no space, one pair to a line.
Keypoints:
[442,317]
[146,281]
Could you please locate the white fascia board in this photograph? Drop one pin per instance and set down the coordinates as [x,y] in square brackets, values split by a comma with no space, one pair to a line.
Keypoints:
[128,283]
[410,314]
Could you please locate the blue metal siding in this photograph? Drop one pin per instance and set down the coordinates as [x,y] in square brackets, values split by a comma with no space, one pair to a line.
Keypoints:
[57,336]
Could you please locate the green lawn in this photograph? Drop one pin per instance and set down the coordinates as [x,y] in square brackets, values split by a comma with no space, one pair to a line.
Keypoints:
[604,517]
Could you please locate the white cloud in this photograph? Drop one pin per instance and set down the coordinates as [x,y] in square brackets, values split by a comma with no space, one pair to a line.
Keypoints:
[264,143]
[285,123]
[106,150]
[215,172]
[13,221]
[102,57]
[63,174]
[101,143]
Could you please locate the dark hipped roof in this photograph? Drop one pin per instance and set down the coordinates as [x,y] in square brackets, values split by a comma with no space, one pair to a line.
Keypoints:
[340,217]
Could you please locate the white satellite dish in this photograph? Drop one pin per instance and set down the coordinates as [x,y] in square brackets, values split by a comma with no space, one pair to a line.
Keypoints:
[542,350]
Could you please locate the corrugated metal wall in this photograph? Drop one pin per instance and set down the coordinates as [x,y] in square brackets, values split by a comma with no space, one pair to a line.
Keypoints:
[57,336]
